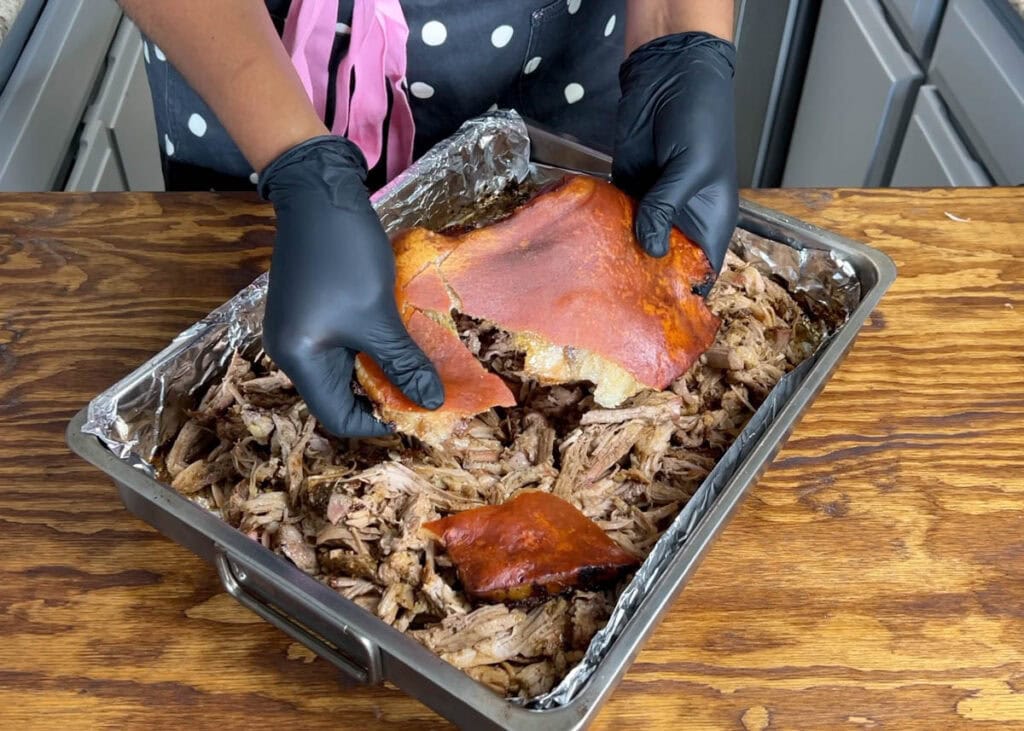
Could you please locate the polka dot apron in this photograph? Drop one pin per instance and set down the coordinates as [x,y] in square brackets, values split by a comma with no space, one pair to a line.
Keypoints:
[554,61]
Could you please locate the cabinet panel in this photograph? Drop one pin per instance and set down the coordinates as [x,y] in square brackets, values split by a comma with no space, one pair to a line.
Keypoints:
[124,106]
[43,102]
[762,47]
[17,37]
[917,21]
[856,97]
[97,167]
[932,153]
[978,66]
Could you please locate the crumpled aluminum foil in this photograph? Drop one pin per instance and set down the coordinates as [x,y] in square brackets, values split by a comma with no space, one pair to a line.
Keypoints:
[137,415]
[824,283]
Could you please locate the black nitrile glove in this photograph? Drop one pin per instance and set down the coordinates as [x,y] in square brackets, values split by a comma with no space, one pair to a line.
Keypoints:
[331,293]
[675,142]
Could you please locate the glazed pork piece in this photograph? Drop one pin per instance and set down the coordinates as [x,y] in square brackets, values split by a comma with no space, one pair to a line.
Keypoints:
[351,513]
[564,279]
[534,545]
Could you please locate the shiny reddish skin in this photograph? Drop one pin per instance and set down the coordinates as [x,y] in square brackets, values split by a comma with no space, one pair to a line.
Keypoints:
[418,282]
[637,311]
[524,273]
[469,387]
[534,544]
[426,291]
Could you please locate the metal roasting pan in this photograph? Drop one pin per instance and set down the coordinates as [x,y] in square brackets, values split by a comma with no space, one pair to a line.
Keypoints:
[368,651]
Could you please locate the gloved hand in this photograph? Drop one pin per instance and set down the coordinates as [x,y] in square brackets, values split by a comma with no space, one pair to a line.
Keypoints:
[675,144]
[331,293]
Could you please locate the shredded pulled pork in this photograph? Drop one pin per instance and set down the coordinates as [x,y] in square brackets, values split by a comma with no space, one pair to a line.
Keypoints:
[349,512]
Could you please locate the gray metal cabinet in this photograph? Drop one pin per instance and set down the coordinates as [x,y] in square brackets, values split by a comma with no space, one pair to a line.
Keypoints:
[17,37]
[932,153]
[42,104]
[762,36]
[97,167]
[856,98]
[917,21]
[118,146]
[978,65]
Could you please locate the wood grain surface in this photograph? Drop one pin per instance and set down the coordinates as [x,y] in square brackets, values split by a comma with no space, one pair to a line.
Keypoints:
[873,579]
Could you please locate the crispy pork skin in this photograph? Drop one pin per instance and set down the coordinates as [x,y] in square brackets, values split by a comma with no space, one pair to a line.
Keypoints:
[534,545]
[565,278]
[469,388]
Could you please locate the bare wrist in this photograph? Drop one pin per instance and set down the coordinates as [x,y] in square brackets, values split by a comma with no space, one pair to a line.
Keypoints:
[650,19]
[267,148]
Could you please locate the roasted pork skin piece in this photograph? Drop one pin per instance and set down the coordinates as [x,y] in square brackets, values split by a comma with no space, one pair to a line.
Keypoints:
[566,267]
[469,387]
[565,275]
[534,545]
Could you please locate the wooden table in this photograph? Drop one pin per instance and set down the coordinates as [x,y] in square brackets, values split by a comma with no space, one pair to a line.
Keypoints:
[873,579]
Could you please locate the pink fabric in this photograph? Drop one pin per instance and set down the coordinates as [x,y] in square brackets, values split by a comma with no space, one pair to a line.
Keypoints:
[308,37]
[376,60]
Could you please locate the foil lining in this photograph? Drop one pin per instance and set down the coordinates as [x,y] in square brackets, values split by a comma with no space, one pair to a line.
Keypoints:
[822,282]
[141,412]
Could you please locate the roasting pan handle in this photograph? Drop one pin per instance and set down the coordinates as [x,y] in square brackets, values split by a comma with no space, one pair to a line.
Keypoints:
[232,575]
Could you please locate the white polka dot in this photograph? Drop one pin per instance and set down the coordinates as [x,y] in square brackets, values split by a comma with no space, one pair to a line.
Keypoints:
[421,90]
[609,26]
[574,5]
[531,65]
[343,29]
[434,33]
[501,36]
[573,93]
[197,125]
[159,54]
[493,107]
[145,51]
[254,178]
[168,146]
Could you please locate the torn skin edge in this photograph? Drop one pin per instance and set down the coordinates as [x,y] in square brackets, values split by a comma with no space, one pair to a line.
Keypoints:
[544,363]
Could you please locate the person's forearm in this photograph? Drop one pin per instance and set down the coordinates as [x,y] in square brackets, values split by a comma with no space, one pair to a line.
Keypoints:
[650,19]
[229,52]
